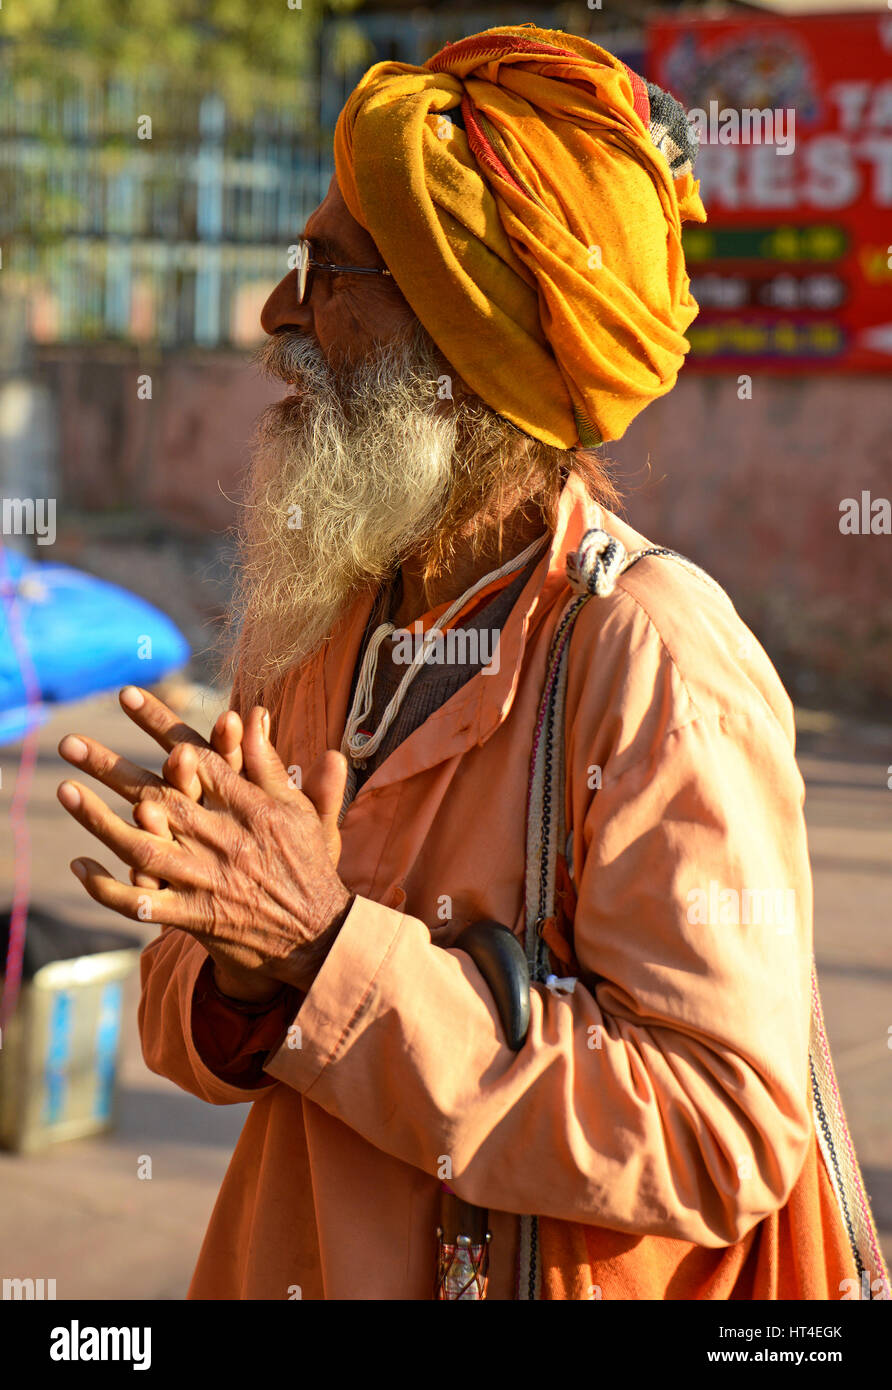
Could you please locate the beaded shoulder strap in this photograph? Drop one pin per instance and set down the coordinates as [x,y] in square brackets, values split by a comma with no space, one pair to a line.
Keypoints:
[592,572]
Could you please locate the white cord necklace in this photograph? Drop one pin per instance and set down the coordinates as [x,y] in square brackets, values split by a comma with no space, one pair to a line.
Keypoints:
[357,745]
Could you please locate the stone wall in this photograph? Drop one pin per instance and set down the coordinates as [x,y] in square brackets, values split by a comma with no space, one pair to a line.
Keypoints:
[178,455]
[751,489]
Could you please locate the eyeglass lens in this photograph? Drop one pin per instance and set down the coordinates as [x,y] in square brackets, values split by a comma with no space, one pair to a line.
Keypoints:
[303,267]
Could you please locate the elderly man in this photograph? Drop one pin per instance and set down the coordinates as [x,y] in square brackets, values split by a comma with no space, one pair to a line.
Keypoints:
[493,286]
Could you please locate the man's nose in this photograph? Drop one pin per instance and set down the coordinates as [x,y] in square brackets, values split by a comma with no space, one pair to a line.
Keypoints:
[282,310]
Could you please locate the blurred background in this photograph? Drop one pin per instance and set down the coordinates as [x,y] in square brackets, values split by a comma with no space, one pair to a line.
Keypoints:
[157,162]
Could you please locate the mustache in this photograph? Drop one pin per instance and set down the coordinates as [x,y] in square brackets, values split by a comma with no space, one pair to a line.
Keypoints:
[295,359]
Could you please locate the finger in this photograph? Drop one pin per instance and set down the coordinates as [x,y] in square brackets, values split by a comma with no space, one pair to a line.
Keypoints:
[157,719]
[139,904]
[218,781]
[226,739]
[150,816]
[221,788]
[141,880]
[164,859]
[118,774]
[263,766]
[325,784]
[181,770]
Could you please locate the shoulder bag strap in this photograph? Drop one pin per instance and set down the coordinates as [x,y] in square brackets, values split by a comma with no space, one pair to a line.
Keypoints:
[592,572]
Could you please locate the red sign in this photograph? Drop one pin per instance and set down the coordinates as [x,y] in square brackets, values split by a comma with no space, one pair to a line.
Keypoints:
[794,117]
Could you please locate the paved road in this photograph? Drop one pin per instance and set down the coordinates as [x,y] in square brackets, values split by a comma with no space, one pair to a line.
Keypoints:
[80,1214]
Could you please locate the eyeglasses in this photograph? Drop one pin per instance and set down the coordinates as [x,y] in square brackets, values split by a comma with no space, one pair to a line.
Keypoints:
[305,264]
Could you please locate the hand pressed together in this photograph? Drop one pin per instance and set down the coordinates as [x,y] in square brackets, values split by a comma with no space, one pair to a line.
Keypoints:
[249,870]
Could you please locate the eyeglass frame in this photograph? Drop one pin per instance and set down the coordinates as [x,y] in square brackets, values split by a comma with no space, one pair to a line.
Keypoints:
[330,267]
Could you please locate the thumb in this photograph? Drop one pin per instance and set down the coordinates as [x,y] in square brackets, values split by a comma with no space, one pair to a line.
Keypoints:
[262,764]
[325,784]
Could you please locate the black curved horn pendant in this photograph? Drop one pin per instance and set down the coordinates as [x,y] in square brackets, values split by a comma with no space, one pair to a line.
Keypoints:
[462,1235]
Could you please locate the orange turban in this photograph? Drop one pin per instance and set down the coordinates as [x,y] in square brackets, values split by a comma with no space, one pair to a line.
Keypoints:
[518,188]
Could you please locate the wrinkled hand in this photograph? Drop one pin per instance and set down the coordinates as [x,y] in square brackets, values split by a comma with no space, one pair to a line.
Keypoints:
[249,872]
[246,750]
[323,785]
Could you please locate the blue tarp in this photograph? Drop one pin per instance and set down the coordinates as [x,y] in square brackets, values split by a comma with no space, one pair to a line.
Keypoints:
[82,636]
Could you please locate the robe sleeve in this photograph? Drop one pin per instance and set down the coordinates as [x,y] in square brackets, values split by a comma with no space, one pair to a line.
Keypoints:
[172,993]
[233,1037]
[667,1093]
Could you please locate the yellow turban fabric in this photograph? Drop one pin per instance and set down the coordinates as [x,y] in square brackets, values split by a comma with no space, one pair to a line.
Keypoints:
[518,197]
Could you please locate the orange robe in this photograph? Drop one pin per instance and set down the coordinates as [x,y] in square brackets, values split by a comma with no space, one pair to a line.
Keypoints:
[670,1098]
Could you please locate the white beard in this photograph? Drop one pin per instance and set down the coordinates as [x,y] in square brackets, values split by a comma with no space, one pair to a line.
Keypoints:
[359,469]
[348,477]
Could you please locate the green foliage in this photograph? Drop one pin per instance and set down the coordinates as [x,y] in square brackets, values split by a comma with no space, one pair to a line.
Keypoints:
[349,48]
[243,49]
[77,183]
